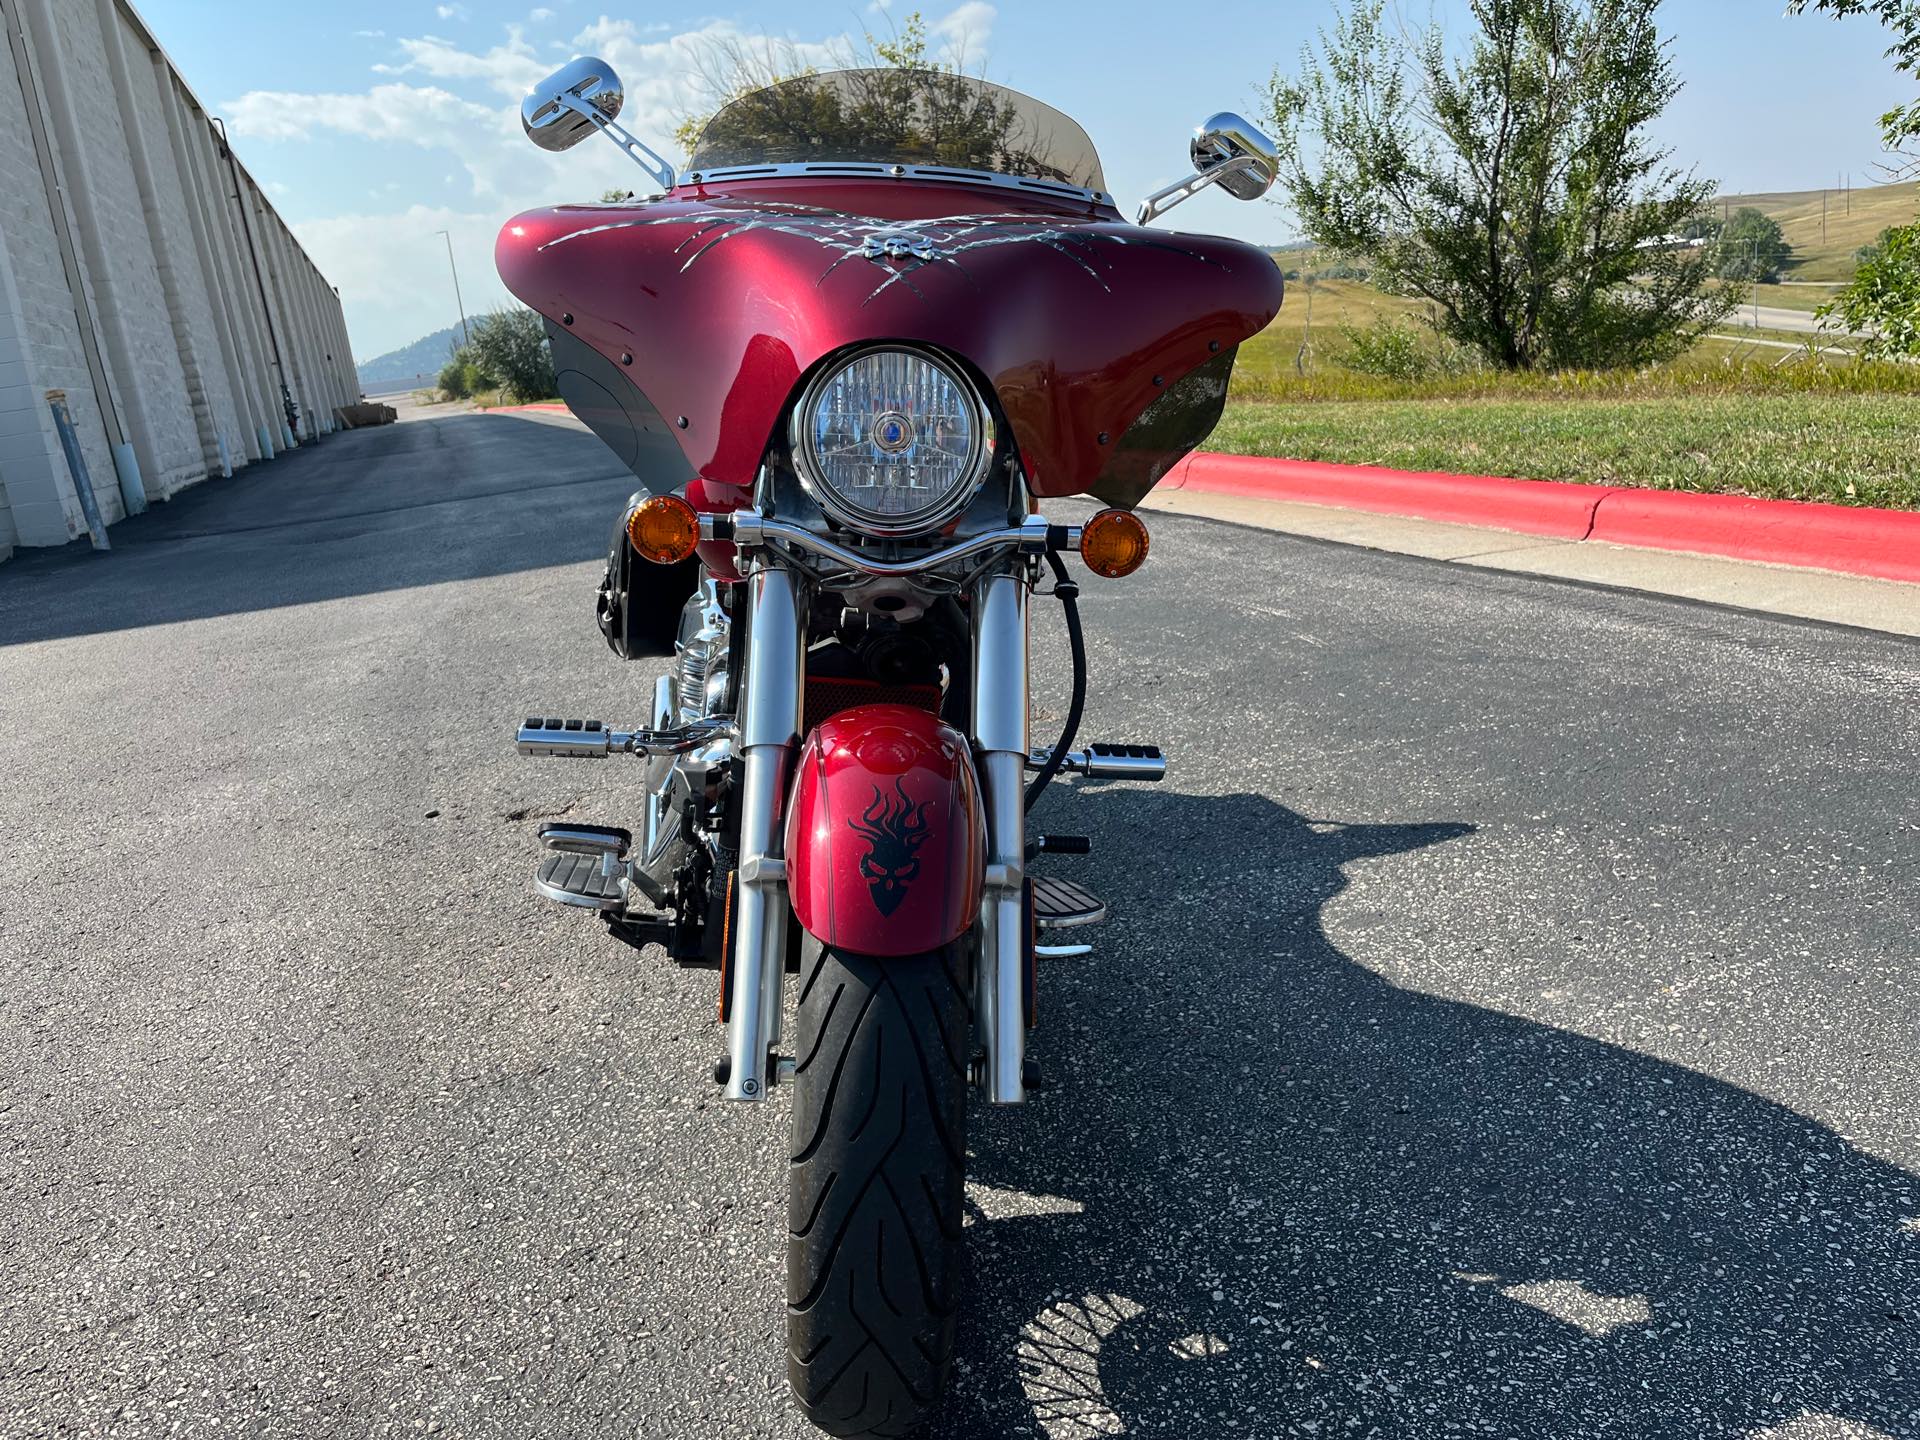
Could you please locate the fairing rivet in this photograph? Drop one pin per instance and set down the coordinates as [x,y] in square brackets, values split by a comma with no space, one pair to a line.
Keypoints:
[1213,346]
[1103,437]
[566,317]
[681,422]
[626,357]
[1159,380]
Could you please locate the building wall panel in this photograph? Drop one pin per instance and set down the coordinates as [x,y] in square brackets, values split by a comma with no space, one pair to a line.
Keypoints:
[163,289]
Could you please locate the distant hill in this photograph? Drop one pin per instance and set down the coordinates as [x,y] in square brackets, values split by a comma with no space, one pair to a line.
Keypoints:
[424,356]
[1873,209]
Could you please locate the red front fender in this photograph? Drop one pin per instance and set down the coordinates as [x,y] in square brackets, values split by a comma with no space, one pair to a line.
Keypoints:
[886,844]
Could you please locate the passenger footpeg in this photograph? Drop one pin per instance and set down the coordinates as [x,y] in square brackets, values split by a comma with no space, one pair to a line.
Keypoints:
[589,739]
[1109,762]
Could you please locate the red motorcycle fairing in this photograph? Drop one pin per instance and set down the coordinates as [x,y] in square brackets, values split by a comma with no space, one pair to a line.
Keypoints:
[684,324]
[886,839]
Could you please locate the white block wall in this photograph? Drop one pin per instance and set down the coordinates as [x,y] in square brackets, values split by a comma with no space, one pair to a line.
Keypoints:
[182,303]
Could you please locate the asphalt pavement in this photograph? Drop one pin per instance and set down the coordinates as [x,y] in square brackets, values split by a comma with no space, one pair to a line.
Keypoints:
[1780,317]
[1506,1026]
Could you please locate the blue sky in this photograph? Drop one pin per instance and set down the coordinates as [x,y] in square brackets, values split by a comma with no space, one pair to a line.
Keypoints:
[374,125]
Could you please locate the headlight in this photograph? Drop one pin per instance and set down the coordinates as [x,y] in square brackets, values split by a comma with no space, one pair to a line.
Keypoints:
[892,442]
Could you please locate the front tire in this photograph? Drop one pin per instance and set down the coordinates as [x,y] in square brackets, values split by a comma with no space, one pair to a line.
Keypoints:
[877,1166]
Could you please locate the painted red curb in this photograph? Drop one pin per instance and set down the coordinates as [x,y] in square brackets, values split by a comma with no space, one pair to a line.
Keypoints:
[1884,544]
[1533,507]
[537,405]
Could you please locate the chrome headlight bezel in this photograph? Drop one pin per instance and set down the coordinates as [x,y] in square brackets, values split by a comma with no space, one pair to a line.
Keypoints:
[836,506]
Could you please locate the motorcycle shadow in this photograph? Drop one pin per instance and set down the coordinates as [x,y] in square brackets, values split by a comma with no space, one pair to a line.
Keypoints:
[1275,1194]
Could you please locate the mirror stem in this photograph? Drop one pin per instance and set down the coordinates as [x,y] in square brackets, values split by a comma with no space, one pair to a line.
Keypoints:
[1165,198]
[637,151]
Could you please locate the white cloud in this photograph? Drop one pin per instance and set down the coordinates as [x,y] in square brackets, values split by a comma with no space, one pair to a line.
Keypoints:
[463,103]
[538,15]
[399,289]
[963,33]
[370,34]
[453,12]
[509,69]
[416,114]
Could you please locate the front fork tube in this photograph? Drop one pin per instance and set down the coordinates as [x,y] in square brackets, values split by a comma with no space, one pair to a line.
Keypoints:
[1000,733]
[770,725]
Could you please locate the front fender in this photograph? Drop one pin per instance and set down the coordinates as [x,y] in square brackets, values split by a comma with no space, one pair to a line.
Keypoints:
[886,841]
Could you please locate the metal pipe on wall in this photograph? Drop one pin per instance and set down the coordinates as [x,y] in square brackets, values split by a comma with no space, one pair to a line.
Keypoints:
[166,262]
[197,222]
[243,199]
[255,359]
[135,455]
[106,394]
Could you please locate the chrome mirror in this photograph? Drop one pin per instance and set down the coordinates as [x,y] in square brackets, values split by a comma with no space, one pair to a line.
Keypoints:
[1247,161]
[582,96]
[1228,150]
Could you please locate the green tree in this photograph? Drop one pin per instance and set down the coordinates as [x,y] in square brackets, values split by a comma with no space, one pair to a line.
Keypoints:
[1883,301]
[1511,181]
[1884,297]
[511,345]
[1751,247]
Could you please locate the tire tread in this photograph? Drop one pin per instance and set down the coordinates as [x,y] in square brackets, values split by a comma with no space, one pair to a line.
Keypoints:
[879,1115]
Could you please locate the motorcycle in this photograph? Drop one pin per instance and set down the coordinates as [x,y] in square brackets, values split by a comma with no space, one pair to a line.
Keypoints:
[879,319]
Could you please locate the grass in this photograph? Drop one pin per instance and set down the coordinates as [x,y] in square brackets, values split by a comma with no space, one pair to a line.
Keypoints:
[1829,256]
[1746,437]
[1808,296]
[1729,417]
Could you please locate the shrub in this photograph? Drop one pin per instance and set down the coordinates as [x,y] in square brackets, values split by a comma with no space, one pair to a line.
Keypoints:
[453,380]
[465,376]
[1388,348]
[511,346]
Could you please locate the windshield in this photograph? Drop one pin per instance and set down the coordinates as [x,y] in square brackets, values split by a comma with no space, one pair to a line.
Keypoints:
[899,117]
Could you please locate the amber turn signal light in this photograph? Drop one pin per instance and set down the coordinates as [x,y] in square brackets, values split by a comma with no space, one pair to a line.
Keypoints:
[1113,543]
[664,529]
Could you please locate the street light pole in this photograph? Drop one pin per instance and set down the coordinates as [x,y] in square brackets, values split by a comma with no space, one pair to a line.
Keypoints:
[466,336]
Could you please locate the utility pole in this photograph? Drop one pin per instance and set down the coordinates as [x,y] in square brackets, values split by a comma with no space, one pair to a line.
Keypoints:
[466,336]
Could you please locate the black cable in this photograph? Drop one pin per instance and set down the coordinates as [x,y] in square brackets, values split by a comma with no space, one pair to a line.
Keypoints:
[1069,596]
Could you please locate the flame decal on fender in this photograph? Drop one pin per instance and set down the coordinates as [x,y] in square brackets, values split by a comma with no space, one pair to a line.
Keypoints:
[894,829]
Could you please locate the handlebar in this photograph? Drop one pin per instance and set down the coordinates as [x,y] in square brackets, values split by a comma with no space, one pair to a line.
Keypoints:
[750,529]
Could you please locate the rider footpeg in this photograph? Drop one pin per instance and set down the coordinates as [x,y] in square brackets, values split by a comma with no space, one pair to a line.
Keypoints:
[1109,762]
[574,738]
[1061,904]
[589,739]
